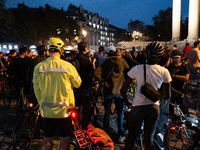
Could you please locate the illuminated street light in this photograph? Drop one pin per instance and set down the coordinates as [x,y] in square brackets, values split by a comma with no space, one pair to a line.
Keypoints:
[84,33]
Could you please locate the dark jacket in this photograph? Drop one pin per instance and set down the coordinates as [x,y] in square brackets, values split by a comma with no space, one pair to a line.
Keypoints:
[86,69]
[116,78]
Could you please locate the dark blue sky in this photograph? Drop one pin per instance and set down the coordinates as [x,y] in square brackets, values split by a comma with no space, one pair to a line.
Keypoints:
[119,12]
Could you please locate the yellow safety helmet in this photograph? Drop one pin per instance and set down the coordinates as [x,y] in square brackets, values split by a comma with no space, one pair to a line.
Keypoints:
[55,44]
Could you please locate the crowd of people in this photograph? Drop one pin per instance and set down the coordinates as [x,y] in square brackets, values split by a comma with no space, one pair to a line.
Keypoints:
[63,81]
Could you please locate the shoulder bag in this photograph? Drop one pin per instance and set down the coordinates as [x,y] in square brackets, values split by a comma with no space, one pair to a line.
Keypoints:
[148,90]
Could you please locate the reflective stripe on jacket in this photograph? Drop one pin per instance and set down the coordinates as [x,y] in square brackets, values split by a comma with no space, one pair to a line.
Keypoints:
[53,82]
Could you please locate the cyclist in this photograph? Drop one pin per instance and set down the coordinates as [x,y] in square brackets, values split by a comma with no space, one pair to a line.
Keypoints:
[83,93]
[19,68]
[111,72]
[99,57]
[143,109]
[53,80]
[180,75]
[12,55]
[194,60]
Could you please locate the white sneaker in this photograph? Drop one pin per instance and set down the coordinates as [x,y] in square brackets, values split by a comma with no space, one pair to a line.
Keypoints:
[121,139]
[160,139]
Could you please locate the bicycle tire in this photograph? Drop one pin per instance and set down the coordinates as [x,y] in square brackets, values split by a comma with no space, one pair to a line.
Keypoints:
[73,145]
[20,104]
[23,134]
[6,96]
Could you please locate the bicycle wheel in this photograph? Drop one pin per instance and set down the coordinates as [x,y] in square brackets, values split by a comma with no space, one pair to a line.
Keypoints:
[73,145]
[23,134]
[6,96]
[20,104]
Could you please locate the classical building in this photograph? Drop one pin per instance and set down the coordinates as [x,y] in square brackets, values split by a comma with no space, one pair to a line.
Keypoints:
[193,22]
[95,30]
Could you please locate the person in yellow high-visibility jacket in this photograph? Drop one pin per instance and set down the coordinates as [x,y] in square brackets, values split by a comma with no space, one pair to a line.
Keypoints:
[53,82]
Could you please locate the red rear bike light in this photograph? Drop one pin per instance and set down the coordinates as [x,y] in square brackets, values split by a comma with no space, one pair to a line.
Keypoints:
[172,128]
[31,105]
[73,115]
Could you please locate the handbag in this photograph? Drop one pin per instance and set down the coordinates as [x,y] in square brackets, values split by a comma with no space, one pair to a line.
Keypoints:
[148,90]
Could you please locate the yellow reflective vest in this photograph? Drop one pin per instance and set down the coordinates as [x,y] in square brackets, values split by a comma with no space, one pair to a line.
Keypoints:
[53,82]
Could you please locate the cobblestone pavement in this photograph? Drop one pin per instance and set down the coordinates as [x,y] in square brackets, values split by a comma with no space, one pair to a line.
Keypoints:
[8,121]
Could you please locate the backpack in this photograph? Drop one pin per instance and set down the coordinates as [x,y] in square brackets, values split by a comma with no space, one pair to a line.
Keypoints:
[76,64]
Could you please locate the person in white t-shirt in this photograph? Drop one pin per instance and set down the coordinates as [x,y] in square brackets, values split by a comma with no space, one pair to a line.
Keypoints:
[143,109]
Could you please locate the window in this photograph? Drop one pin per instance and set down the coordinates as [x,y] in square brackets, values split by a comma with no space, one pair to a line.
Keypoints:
[10,47]
[103,43]
[74,31]
[74,18]
[106,28]
[106,34]
[89,17]
[90,23]
[15,46]
[4,46]
[101,27]
[94,25]
[101,38]
[108,39]
[100,21]
[97,26]
[101,32]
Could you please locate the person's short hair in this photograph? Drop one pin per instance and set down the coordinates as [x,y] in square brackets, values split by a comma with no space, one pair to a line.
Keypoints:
[82,46]
[41,49]
[186,44]
[101,49]
[22,50]
[175,45]
[12,51]
[196,43]
[164,58]
[133,48]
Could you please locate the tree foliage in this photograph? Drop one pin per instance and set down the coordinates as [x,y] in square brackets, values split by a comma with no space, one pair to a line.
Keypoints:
[37,25]
[136,26]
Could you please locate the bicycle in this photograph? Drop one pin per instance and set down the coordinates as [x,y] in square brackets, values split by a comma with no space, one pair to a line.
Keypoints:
[139,143]
[4,89]
[178,135]
[192,92]
[26,128]
[22,100]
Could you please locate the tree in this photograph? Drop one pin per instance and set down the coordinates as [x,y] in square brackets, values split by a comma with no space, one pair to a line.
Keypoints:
[163,25]
[136,26]
[37,25]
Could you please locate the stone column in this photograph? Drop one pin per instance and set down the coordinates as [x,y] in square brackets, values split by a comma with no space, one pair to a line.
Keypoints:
[176,20]
[193,22]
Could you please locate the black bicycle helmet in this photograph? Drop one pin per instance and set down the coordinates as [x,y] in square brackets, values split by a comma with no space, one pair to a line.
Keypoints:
[176,53]
[154,51]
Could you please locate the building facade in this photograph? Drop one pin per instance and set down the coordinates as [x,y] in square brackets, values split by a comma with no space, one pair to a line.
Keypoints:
[95,30]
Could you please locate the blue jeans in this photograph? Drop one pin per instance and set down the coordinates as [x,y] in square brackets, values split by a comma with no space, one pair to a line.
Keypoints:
[164,108]
[119,107]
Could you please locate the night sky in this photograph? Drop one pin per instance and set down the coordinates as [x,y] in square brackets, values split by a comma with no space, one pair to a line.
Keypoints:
[119,12]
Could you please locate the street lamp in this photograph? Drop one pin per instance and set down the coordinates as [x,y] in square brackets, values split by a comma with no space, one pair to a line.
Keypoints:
[84,32]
